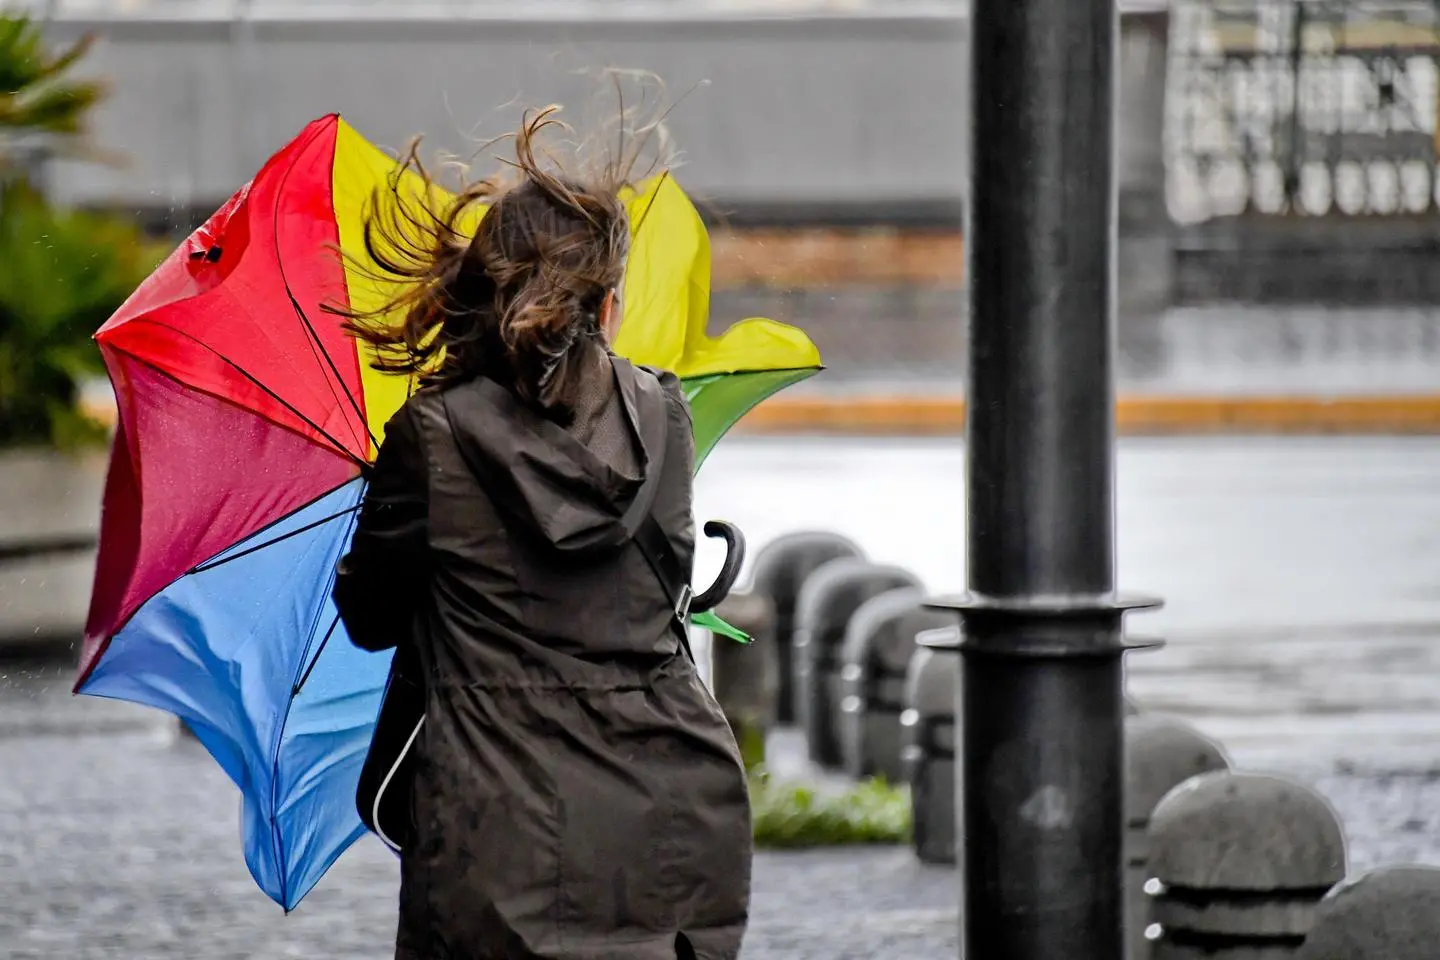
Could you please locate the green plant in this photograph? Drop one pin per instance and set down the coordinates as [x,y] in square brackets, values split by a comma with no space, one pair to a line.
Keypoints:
[750,737]
[36,98]
[62,274]
[792,815]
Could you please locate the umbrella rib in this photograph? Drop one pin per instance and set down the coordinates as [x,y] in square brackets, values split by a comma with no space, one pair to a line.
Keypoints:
[221,561]
[320,648]
[645,215]
[339,447]
[291,407]
[315,660]
[319,348]
[313,335]
[279,741]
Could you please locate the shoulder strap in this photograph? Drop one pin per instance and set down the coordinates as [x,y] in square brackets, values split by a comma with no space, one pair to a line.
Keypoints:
[660,555]
[655,545]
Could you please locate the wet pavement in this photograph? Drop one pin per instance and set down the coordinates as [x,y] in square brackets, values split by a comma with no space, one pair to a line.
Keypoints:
[1303,587]
[1301,576]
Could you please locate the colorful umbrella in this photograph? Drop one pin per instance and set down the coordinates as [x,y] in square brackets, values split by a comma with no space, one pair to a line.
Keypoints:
[245,418]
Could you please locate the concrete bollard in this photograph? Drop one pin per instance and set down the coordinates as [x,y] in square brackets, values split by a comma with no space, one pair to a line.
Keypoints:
[1389,914]
[1160,753]
[1239,861]
[746,677]
[930,735]
[879,643]
[827,601]
[781,568]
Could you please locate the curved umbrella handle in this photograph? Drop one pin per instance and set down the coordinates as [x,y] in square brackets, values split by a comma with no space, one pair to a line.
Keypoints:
[729,570]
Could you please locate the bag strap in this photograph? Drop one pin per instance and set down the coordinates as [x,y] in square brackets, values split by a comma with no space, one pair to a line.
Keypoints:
[660,555]
[662,559]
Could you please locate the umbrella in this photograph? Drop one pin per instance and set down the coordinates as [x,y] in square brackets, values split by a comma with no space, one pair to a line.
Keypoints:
[245,419]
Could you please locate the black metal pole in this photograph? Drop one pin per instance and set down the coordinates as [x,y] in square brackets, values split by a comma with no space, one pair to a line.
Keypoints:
[1040,702]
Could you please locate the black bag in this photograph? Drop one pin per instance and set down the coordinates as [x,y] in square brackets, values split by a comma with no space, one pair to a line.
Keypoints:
[383,794]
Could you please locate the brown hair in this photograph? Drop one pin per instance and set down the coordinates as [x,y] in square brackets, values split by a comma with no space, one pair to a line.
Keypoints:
[520,301]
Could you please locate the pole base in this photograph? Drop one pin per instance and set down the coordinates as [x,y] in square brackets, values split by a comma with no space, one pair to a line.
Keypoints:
[1040,792]
[1040,627]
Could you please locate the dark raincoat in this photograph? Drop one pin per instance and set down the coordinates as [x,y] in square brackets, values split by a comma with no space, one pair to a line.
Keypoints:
[578,792]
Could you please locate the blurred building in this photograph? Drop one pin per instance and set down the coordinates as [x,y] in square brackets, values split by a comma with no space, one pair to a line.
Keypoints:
[1307,132]
[1279,205]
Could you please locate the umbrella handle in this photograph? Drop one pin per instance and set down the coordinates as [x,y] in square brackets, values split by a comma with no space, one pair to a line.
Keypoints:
[729,570]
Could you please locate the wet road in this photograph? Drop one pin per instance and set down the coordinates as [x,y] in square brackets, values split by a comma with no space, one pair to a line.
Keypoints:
[1301,576]
[1303,581]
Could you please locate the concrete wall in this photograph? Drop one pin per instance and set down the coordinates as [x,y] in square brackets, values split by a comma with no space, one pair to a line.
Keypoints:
[828,117]
[778,113]
[45,495]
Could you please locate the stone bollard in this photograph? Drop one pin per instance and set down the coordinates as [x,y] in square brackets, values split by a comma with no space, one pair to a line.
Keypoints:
[745,677]
[1390,914]
[1160,753]
[875,657]
[930,735]
[827,601]
[1239,861]
[781,568]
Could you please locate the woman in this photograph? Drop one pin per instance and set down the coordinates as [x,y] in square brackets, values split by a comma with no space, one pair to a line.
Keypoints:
[577,791]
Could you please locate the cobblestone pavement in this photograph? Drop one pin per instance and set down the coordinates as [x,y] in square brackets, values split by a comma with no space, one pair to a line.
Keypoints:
[119,840]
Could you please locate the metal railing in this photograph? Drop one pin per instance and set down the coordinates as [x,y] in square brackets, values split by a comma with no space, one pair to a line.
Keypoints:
[1303,107]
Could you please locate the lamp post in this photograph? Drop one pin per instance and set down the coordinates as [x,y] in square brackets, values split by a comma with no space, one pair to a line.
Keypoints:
[1040,701]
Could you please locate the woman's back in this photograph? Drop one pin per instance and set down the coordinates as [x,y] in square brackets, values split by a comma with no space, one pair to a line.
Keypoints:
[531,527]
[577,792]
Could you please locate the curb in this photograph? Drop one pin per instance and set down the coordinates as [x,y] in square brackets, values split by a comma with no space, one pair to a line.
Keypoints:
[48,648]
[1134,415]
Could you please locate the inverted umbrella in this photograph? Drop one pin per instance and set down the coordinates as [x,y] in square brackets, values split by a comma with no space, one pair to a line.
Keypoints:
[246,417]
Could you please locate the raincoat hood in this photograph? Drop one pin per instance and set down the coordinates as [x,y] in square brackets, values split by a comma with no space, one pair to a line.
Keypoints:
[544,479]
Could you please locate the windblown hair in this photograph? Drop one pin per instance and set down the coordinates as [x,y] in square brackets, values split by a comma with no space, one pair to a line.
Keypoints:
[520,301]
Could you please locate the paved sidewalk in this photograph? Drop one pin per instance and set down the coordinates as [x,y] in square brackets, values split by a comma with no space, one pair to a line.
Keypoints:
[118,840]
